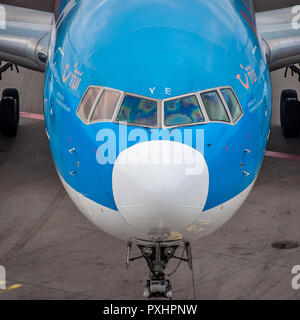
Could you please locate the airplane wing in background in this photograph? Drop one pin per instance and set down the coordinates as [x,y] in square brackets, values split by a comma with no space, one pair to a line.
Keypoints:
[24,37]
[280,32]
[25,40]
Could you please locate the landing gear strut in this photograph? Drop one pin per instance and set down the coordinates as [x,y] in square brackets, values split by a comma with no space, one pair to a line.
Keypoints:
[157,254]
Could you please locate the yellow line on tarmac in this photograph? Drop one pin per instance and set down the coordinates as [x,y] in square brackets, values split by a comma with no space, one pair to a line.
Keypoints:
[13,287]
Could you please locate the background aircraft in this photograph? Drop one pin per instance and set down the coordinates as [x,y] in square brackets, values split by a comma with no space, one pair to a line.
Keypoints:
[236,88]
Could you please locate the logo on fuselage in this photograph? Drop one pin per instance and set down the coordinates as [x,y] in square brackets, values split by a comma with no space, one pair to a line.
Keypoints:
[73,78]
[249,74]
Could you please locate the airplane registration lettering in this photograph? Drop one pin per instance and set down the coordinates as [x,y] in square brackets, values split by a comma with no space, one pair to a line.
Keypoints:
[152,90]
[168,91]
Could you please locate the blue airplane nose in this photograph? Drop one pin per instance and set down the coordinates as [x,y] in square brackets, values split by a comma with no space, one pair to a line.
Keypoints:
[160,185]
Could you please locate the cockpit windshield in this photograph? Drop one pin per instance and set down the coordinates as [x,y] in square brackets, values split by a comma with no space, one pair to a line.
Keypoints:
[182,111]
[139,111]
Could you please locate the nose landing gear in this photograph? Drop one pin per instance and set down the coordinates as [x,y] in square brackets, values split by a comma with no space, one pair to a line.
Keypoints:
[157,254]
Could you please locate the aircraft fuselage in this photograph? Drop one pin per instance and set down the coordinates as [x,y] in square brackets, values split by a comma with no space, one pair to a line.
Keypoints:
[158,50]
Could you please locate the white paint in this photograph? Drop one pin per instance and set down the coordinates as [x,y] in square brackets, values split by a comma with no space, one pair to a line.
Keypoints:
[2,17]
[296,279]
[212,219]
[48,135]
[2,278]
[296,19]
[152,90]
[153,187]
[61,51]
[67,9]
[111,222]
[169,91]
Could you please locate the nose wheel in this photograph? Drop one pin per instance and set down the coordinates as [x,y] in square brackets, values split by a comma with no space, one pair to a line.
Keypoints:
[158,254]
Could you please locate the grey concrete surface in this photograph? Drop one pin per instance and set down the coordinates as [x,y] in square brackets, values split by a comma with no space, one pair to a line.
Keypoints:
[261,5]
[50,249]
[45,5]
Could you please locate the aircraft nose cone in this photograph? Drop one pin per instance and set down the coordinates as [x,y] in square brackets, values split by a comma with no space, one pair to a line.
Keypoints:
[160,185]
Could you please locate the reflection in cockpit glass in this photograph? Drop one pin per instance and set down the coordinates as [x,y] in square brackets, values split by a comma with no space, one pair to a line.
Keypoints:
[183,111]
[233,105]
[87,102]
[106,106]
[214,106]
[138,111]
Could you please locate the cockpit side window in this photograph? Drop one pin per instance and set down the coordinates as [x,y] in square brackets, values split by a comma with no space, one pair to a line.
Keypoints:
[106,106]
[214,106]
[139,111]
[87,103]
[233,104]
[183,111]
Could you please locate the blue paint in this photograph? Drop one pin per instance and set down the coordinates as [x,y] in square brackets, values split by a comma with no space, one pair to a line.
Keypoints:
[135,45]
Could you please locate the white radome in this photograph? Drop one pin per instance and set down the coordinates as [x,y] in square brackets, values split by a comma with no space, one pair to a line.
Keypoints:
[160,185]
